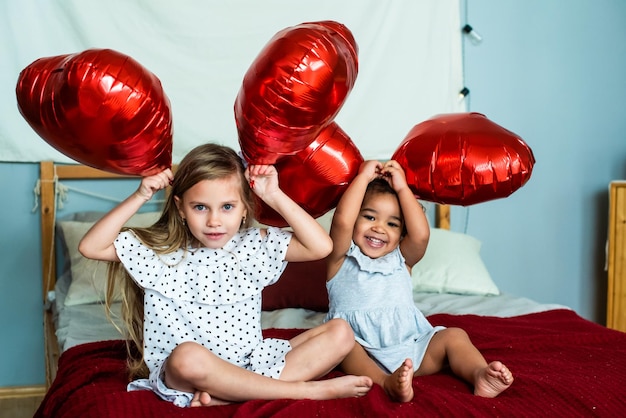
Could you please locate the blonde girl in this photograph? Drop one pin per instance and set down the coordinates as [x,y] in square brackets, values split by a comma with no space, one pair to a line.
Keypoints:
[379,232]
[192,294]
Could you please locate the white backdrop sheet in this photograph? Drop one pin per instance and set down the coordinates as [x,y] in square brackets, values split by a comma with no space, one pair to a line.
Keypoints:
[410,60]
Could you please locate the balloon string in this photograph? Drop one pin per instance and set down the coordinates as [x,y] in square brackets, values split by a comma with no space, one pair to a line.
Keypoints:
[60,193]
[37,193]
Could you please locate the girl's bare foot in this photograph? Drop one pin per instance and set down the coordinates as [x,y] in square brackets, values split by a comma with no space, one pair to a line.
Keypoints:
[399,384]
[204,399]
[340,387]
[492,380]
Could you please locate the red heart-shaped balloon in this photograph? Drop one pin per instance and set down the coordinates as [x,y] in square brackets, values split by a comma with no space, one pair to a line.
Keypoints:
[100,108]
[317,176]
[463,159]
[294,88]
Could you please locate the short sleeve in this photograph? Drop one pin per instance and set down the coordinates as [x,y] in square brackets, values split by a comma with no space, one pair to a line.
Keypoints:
[141,262]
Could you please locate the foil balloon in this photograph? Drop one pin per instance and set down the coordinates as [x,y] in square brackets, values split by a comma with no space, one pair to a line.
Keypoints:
[317,176]
[100,108]
[293,89]
[463,159]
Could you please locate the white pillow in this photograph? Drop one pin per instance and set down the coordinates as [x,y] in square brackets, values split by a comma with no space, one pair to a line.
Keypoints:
[89,277]
[452,264]
[326,220]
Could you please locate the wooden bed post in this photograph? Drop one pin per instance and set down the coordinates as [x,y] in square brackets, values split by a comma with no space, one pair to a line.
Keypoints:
[47,188]
[442,216]
[48,204]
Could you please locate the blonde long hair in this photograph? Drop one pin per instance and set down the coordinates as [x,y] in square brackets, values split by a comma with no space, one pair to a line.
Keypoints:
[169,234]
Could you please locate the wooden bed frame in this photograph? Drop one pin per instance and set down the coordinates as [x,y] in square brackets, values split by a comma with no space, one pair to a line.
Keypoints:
[50,173]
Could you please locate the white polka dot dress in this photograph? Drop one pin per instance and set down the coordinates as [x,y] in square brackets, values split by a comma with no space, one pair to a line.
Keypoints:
[211,297]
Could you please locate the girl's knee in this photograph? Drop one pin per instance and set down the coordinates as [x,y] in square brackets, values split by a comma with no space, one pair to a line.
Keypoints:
[453,336]
[342,332]
[458,333]
[186,360]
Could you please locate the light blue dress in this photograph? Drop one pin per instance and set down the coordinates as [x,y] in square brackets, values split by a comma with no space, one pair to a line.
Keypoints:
[375,296]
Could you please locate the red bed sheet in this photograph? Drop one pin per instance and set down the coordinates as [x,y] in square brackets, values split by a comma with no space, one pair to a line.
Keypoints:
[563,364]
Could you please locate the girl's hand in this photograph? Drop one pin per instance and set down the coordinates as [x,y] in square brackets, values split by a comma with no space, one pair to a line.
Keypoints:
[152,184]
[394,174]
[263,179]
[371,169]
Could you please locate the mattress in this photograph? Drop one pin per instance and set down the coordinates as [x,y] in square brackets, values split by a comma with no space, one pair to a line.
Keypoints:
[88,323]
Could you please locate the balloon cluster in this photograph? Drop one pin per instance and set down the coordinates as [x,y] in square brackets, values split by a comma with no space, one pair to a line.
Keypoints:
[285,109]
[297,85]
[104,109]
[101,108]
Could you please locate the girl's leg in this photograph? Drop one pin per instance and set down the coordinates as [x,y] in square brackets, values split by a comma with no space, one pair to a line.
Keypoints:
[454,345]
[318,350]
[398,385]
[192,368]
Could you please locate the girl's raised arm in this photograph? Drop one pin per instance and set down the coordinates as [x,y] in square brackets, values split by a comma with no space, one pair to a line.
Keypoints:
[347,212]
[98,241]
[309,241]
[413,245]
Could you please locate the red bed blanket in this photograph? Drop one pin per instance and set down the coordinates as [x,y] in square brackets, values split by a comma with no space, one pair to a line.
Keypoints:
[563,364]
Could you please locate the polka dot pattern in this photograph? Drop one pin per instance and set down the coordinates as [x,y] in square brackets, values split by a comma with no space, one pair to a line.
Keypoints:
[212,297]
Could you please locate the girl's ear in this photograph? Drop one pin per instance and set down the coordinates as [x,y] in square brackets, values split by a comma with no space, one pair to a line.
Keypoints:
[178,203]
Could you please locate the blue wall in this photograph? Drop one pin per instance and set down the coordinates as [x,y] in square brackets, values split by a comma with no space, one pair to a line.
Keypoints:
[554,73]
[549,70]
[21,356]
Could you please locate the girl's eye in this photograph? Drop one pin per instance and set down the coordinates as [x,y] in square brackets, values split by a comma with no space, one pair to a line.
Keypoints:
[393,225]
[228,206]
[368,217]
[199,207]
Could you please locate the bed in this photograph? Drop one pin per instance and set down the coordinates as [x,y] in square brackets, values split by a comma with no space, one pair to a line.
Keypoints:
[563,364]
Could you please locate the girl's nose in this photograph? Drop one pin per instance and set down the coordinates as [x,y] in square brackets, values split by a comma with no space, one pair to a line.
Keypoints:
[213,219]
[378,227]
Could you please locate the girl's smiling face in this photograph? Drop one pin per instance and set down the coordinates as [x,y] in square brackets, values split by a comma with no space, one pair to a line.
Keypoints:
[378,228]
[213,210]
